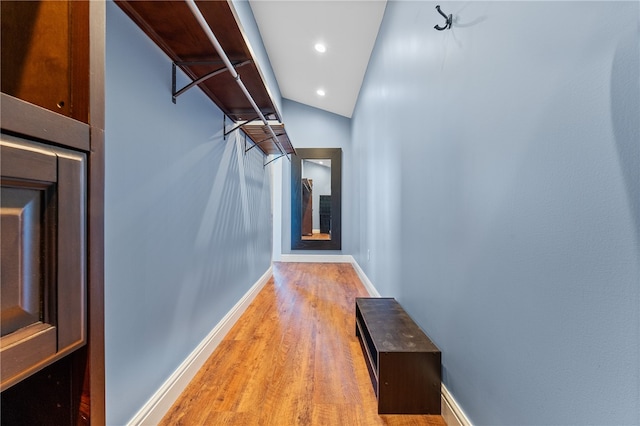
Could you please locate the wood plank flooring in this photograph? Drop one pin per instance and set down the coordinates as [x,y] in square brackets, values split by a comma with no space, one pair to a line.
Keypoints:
[292,359]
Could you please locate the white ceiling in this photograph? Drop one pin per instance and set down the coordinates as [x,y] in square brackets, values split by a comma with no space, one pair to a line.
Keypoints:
[290,29]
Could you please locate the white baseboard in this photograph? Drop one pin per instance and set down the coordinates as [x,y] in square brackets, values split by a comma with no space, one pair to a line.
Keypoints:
[317,258]
[373,292]
[157,406]
[451,411]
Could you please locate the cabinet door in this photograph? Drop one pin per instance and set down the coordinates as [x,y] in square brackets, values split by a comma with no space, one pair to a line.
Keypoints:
[43,273]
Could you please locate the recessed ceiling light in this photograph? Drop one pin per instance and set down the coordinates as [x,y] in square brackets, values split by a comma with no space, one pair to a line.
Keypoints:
[320,47]
[320,92]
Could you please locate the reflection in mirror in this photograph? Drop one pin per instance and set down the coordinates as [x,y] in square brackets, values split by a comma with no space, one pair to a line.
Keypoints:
[316,199]
[316,188]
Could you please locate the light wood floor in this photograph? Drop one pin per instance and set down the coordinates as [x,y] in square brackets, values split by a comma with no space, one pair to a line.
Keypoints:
[292,359]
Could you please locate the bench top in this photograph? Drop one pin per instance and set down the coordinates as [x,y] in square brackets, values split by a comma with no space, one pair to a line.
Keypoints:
[391,328]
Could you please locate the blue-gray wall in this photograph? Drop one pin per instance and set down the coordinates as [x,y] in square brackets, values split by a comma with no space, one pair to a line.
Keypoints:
[498,167]
[309,127]
[187,219]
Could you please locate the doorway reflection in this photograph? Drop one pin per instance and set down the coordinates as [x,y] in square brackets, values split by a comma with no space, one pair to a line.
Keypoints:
[316,199]
[334,222]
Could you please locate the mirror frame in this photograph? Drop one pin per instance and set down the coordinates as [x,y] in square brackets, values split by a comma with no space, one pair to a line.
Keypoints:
[335,155]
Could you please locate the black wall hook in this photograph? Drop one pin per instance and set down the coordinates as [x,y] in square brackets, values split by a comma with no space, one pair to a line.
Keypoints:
[448,22]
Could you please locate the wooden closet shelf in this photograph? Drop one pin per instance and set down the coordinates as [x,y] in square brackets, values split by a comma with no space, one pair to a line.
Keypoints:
[175,29]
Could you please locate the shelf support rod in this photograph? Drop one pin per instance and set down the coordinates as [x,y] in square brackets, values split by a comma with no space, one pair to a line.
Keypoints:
[241,125]
[262,141]
[205,77]
[277,158]
[212,38]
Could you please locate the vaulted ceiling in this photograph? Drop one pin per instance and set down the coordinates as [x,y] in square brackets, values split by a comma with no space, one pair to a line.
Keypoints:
[348,30]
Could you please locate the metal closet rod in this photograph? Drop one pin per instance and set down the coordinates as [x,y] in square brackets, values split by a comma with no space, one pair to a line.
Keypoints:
[225,59]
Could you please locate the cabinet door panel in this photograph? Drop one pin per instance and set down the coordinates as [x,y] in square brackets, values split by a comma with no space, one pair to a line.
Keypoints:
[20,218]
[25,351]
[29,162]
[71,249]
[43,242]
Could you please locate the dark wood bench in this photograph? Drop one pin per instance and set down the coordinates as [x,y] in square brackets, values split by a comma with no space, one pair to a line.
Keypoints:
[404,365]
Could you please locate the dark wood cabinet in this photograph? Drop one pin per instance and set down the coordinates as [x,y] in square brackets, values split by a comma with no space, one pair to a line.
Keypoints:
[43,274]
[52,212]
[404,365]
[45,45]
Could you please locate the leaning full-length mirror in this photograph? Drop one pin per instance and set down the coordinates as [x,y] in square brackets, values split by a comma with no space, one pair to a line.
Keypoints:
[316,220]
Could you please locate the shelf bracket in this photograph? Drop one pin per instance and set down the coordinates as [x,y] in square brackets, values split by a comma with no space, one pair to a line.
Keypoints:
[277,158]
[239,126]
[232,69]
[175,93]
[262,141]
